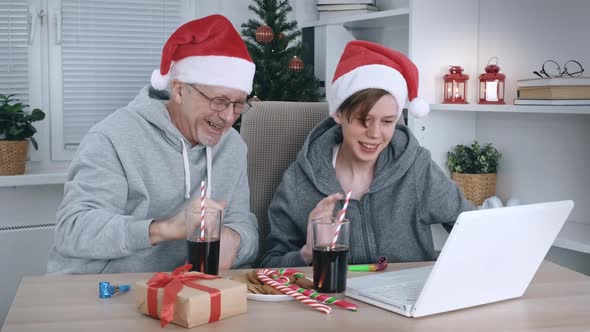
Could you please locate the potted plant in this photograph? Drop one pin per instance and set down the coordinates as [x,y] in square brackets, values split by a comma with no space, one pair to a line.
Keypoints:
[15,128]
[474,169]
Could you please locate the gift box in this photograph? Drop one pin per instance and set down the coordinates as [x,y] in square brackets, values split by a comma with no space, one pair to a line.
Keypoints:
[190,299]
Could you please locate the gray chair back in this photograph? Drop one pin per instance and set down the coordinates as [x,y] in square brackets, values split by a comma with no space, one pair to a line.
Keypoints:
[274,133]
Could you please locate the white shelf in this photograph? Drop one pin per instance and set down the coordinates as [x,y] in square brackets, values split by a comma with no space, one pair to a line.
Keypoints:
[511,108]
[379,19]
[574,236]
[34,177]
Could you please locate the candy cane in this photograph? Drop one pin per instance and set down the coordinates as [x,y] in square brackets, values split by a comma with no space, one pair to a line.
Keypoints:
[280,277]
[263,276]
[202,211]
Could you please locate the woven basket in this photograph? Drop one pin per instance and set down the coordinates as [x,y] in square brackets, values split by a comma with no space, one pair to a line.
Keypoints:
[13,157]
[476,187]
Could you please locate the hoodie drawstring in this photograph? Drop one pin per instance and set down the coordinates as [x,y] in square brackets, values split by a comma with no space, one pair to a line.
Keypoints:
[187,171]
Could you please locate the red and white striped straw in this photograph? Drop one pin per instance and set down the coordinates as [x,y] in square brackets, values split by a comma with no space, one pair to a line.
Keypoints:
[341,216]
[263,275]
[202,210]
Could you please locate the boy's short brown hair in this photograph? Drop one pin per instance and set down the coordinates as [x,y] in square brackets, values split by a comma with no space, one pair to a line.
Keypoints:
[360,103]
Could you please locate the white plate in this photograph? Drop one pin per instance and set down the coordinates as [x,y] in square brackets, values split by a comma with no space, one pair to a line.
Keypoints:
[269,298]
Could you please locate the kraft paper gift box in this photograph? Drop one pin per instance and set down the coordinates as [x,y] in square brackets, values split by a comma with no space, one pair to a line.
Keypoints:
[190,299]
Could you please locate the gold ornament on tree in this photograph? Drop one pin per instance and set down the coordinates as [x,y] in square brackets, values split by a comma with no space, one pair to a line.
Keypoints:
[282,41]
[296,64]
[264,34]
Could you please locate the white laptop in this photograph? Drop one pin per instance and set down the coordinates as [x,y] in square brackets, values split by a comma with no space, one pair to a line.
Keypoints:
[490,255]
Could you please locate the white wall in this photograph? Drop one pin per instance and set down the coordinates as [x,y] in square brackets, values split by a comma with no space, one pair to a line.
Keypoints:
[443,33]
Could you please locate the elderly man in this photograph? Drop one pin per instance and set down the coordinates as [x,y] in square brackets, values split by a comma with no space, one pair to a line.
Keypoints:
[136,172]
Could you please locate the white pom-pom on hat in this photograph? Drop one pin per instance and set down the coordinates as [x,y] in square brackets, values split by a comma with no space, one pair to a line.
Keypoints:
[158,81]
[419,108]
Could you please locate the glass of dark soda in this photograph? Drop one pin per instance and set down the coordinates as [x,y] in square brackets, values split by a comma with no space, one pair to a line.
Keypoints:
[330,255]
[202,241]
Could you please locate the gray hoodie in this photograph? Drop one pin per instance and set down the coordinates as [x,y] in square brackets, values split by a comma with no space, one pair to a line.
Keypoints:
[409,192]
[133,167]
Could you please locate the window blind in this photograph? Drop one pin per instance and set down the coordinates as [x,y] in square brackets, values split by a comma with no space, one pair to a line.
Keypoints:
[14,49]
[109,49]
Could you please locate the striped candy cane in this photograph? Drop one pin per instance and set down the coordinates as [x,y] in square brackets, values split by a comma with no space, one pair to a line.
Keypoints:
[281,277]
[324,298]
[341,218]
[263,275]
[202,210]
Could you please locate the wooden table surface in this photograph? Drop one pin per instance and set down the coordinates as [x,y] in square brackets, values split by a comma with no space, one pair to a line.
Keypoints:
[558,299]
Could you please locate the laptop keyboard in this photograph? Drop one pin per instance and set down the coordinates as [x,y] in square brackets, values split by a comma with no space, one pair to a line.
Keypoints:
[401,293]
[401,287]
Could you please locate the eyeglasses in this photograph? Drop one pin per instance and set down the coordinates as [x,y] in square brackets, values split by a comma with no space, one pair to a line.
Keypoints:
[551,68]
[220,104]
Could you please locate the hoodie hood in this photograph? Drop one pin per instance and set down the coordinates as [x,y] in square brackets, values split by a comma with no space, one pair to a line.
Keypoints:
[152,107]
[315,159]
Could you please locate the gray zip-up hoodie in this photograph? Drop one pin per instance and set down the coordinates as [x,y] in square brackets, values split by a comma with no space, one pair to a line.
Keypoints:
[133,167]
[409,192]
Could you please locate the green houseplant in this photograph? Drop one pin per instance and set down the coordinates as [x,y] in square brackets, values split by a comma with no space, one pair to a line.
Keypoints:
[15,128]
[474,169]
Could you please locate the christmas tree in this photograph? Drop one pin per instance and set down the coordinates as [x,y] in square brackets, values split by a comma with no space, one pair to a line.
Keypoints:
[275,46]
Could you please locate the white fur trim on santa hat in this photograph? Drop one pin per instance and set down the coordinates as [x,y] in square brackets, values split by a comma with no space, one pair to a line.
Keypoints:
[419,108]
[368,77]
[216,70]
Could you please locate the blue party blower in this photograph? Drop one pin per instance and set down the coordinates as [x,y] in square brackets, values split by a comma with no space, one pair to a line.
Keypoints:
[106,290]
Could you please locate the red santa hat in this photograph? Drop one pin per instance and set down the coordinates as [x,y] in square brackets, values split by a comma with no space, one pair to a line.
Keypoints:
[364,65]
[207,51]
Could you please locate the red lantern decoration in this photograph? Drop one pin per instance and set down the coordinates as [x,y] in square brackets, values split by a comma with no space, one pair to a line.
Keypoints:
[455,86]
[296,64]
[491,85]
[264,34]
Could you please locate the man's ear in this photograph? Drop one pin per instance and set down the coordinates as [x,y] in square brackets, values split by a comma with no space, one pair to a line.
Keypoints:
[176,91]
[337,117]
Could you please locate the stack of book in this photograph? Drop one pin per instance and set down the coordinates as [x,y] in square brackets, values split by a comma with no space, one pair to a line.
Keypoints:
[337,8]
[553,91]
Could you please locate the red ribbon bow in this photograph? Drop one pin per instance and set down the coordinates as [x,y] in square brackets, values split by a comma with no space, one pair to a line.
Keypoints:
[172,284]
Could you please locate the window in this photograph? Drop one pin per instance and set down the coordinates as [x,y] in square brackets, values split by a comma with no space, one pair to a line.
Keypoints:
[104,53]
[14,48]
[20,57]
[81,60]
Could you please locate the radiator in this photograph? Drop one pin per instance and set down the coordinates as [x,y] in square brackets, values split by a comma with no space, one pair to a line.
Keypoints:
[23,252]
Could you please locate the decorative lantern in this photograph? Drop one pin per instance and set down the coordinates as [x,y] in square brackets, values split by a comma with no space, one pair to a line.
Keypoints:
[264,34]
[296,64]
[491,84]
[455,86]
